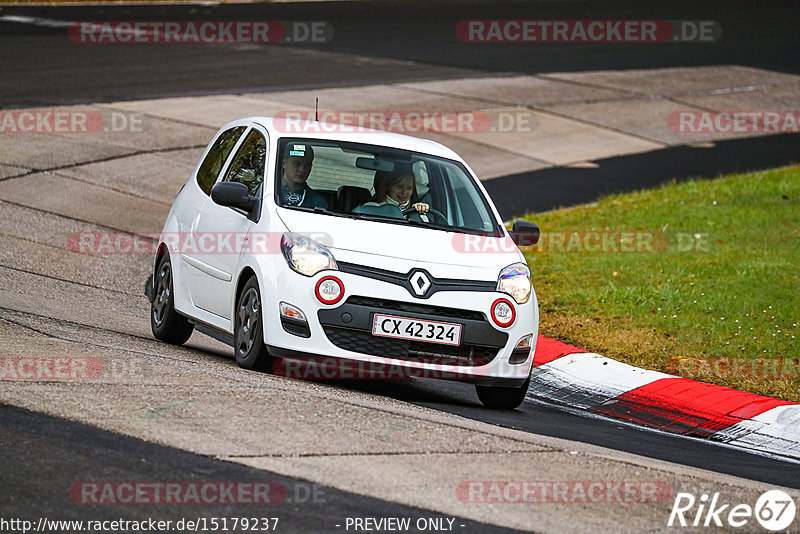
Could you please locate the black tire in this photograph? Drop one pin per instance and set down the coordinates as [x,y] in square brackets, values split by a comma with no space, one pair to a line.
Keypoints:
[248,330]
[165,322]
[502,398]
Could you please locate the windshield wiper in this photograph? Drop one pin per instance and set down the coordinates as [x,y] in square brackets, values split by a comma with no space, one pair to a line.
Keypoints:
[451,228]
[435,226]
[317,209]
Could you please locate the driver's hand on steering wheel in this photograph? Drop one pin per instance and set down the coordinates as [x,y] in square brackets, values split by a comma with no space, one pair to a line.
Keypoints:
[421,207]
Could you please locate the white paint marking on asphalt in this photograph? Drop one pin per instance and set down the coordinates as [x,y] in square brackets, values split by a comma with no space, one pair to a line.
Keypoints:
[745,89]
[37,21]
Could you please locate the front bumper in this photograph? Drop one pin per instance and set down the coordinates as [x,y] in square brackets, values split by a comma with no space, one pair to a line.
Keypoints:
[343,330]
[349,327]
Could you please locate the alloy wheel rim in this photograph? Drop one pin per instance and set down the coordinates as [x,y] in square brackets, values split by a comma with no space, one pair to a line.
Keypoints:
[163,294]
[247,321]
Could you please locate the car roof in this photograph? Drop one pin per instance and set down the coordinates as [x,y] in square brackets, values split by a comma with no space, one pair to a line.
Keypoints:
[313,130]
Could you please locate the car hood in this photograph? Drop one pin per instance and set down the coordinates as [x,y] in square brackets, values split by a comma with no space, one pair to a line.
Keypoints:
[357,240]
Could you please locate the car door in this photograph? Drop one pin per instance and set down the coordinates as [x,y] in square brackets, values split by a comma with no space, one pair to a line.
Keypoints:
[221,233]
[193,197]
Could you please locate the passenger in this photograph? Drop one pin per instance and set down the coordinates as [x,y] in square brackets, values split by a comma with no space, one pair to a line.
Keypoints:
[296,165]
[393,191]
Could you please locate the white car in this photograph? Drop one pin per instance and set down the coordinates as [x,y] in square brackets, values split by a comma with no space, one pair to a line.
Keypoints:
[292,241]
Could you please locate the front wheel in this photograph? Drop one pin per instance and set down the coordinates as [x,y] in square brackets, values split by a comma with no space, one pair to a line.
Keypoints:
[502,398]
[165,322]
[248,335]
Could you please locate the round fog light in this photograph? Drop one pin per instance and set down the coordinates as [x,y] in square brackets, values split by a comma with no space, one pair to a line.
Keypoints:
[329,290]
[503,313]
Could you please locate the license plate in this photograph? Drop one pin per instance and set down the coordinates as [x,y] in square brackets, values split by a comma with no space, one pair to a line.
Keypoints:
[416,329]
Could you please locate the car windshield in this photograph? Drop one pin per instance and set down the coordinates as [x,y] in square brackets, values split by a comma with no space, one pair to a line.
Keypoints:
[381,184]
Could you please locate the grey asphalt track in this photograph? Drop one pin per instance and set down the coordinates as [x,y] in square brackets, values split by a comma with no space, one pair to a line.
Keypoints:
[550,420]
[374,42]
[555,187]
[43,457]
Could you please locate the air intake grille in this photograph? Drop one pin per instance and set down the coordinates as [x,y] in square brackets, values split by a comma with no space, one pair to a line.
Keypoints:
[400,349]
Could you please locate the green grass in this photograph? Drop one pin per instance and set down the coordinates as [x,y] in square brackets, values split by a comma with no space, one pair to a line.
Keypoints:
[722,282]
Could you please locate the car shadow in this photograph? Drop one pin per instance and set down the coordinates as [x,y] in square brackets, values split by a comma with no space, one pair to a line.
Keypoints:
[408,389]
[430,392]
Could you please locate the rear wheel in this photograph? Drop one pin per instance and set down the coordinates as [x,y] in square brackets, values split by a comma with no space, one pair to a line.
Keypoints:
[165,322]
[503,398]
[248,334]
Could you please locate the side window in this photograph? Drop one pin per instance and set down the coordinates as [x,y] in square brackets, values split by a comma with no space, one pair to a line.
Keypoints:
[247,166]
[469,210]
[209,169]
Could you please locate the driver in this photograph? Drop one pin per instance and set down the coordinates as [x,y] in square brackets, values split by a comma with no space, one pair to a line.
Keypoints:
[296,165]
[392,196]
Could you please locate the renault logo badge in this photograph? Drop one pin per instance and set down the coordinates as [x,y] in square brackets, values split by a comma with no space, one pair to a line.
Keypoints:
[419,283]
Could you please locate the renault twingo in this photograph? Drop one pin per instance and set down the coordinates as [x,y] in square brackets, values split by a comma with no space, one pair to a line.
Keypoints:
[289,241]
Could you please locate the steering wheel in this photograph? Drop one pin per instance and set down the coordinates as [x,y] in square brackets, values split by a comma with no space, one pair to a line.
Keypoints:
[431,211]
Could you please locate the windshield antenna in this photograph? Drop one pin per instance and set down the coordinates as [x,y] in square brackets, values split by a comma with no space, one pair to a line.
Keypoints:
[316,109]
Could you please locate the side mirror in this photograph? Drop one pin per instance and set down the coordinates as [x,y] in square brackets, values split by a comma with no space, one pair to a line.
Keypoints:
[524,233]
[233,195]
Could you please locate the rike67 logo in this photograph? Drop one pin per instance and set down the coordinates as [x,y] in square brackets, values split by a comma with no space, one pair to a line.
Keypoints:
[774,510]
